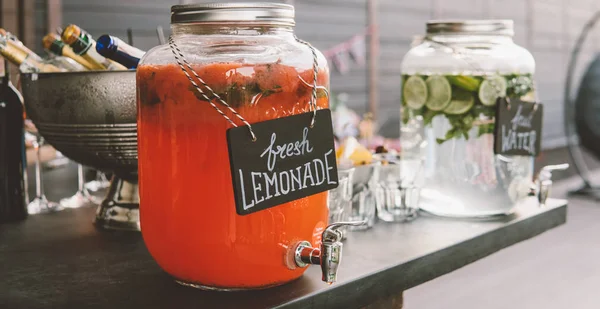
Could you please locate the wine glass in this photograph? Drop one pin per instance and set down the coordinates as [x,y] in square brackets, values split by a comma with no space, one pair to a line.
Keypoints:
[101,182]
[40,203]
[82,197]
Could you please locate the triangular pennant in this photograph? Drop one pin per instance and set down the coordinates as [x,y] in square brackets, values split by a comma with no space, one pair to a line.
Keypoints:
[341,61]
[358,50]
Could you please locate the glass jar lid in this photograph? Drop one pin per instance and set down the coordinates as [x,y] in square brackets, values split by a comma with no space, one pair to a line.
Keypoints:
[263,13]
[471,27]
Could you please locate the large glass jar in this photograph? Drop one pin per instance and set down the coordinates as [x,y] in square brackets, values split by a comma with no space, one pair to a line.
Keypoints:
[451,82]
[249,56]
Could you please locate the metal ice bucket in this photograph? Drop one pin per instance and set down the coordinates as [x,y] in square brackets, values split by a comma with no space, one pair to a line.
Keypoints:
[90,117]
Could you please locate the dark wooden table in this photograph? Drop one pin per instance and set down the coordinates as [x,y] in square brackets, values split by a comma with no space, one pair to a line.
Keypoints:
[61,261]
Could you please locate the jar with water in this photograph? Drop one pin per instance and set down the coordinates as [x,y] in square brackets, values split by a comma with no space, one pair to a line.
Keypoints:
[450,84]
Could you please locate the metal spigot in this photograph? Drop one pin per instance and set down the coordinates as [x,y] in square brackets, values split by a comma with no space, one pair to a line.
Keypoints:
[544,181]
[328,256]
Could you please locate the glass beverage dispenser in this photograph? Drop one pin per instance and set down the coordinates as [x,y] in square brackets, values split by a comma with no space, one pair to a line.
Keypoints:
[247,55]
[450,84]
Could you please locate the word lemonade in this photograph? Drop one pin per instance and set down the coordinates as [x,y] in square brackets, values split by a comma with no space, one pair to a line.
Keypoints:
[266,185]
[466,101]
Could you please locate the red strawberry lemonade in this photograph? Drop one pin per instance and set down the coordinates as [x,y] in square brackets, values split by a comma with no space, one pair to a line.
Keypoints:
[188,214]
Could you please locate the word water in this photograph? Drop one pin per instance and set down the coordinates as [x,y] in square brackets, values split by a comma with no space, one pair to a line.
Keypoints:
[518,127]
[288,161]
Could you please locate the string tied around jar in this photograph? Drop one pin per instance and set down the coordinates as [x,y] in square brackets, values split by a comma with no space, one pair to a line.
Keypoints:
[187,68]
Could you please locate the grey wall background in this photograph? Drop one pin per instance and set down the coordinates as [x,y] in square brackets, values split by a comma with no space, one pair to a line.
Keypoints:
[548,28]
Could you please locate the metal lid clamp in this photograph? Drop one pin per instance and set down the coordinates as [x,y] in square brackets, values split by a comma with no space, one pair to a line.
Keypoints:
[259,12]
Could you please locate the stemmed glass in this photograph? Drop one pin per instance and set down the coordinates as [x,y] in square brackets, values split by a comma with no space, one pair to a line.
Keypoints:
[82,197]
[40,203]
[101,182]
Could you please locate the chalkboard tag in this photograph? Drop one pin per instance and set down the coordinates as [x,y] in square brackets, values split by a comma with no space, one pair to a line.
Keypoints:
[289,160]
[518,129]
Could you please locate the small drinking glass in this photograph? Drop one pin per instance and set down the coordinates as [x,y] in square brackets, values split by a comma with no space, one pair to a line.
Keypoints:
[398,189]
[363,199]
[340,199]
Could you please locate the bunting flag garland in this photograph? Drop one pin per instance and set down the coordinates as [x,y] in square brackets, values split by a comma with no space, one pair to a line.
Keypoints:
[352,50]
[341,62]
[358,51]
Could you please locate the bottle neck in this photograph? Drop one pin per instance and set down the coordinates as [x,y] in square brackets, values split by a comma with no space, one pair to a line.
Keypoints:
[57,47]
[237,29]
[82,44]
[13,54]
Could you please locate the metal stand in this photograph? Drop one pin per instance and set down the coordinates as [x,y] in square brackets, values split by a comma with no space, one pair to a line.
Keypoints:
[120,208]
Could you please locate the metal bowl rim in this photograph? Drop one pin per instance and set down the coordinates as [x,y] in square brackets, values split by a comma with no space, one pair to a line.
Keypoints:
[53,74]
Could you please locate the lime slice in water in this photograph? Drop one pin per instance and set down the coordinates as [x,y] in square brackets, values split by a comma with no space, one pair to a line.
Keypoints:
[465,82]
[491,89]
[415,92]
[439,92]
[461,102]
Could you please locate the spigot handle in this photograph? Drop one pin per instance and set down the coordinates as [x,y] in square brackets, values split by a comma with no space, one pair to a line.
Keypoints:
[332,233]
[546,171]
[331,249]
[556,167]
[328,256]
[544,181]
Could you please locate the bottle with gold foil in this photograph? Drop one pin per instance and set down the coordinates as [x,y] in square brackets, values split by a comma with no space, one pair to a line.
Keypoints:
[84,45]
[14,41]
[27,62]
[54,46]
[60,62]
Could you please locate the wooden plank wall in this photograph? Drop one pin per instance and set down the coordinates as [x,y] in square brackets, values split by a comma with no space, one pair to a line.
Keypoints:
[115,16]
[18,17]
[547,28]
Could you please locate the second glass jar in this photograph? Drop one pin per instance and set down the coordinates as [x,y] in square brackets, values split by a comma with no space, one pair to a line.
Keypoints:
[450,84]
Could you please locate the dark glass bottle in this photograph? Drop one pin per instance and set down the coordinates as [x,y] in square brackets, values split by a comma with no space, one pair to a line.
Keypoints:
[13,200]
[115,49]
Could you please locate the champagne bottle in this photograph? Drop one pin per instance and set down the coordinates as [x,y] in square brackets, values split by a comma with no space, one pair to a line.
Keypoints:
[84,45]
[27,63]
[15,42]
[54,46]
[13,193]
[115,49]
[61,63]
[65,63]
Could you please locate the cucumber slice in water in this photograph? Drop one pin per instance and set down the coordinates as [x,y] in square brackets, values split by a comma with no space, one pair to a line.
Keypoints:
[462,101]
[415,92]
[469,83]
[491,89]
[439,92]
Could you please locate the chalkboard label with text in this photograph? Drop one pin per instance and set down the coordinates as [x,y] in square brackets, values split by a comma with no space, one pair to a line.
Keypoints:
[518,127]
[289,160]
